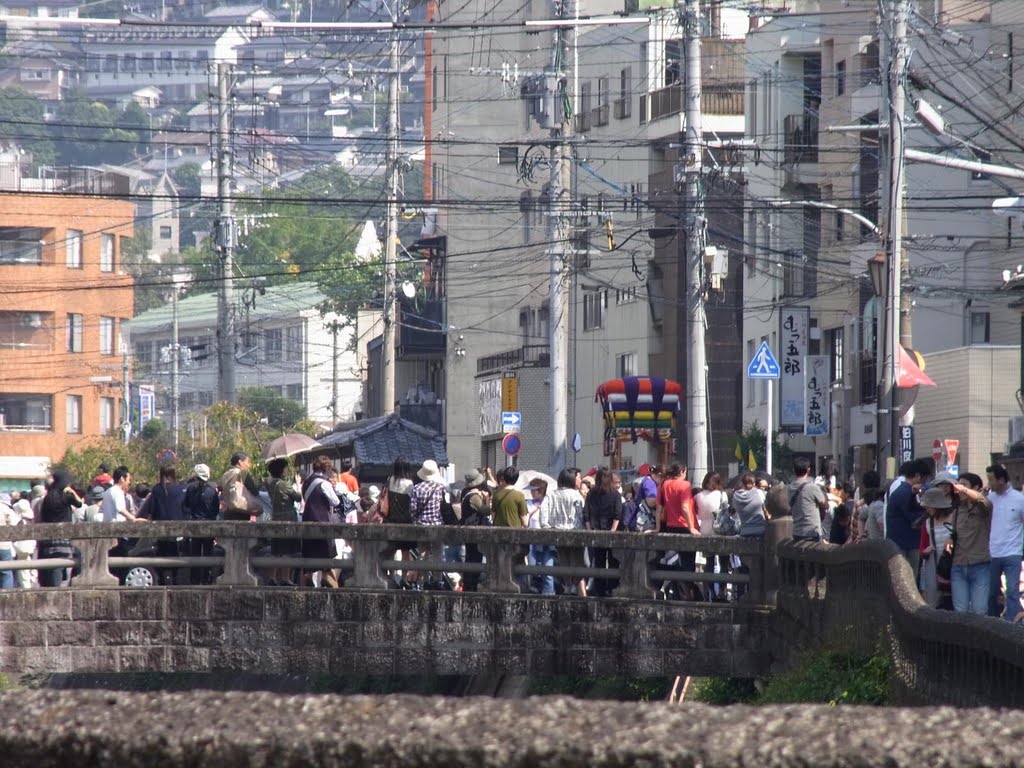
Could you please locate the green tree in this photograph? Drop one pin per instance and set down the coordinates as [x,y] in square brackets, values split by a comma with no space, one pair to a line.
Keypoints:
[280,412]
[188,178]
[133,124]
[22,118]
[753,439]
[86,133]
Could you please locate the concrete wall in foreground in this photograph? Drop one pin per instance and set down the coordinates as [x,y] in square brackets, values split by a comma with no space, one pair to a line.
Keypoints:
[292,631]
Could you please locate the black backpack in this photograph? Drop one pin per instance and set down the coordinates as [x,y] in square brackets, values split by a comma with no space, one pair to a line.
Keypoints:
[448,515]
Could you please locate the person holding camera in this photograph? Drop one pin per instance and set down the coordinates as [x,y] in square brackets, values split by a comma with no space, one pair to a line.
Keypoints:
[971,524]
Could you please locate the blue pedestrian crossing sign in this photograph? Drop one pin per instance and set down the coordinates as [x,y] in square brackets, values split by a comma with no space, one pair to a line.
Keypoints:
[763,365]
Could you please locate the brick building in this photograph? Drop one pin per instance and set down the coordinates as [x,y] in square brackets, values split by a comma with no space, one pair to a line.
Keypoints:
[65,298]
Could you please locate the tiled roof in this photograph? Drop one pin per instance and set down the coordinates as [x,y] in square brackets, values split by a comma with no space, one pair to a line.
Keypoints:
[381,440]
[279,299]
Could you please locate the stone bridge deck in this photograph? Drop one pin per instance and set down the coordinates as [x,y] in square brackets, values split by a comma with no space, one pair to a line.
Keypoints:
[799,596]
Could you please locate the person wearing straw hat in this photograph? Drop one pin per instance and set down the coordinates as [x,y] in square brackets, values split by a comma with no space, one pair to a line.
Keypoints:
[427,496]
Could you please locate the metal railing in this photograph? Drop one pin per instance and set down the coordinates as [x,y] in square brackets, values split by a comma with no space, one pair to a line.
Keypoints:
[527,356]
[801,137]
[639,571]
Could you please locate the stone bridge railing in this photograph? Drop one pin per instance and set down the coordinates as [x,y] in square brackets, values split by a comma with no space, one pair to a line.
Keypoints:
[240,625]
[865,594]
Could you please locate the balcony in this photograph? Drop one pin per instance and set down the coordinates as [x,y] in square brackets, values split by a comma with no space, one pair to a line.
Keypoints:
[668,101]
[868,378]
[599,115]
[801,136]
[623,108]
[527,356]
[421,330]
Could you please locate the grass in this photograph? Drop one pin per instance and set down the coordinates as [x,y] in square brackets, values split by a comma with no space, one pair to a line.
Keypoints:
[828,676]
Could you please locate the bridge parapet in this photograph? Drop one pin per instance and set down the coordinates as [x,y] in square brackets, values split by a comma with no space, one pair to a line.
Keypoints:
[866,593]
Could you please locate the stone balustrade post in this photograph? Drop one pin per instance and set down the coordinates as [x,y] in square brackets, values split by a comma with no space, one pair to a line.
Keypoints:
[634,580]
[237,568]
[366,557]
[95,571]
[499,567]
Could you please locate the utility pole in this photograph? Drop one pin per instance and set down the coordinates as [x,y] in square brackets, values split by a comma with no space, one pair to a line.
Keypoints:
[558,252]
[391,244]
[126,398]
[225,246]
[898,329]
[693,206]
[334,372]
[175,367]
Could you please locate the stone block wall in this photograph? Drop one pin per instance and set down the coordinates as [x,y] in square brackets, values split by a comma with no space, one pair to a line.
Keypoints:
[303,631]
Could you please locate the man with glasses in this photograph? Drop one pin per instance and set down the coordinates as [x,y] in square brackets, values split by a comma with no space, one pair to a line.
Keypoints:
[1005,541]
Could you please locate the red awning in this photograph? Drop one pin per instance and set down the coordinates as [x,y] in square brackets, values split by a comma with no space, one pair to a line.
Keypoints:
[909,374]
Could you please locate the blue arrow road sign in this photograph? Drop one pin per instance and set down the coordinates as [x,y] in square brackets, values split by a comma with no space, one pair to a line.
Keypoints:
[763,365]
[511,421]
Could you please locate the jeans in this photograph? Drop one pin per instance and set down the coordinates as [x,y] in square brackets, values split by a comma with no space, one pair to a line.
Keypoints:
[543,554]
[6,577]
[1011,567]
[971,588]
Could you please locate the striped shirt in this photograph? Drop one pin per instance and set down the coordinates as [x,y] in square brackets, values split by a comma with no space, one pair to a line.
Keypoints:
[562,508]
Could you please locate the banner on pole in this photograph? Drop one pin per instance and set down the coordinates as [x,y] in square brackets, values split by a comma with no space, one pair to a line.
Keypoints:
[793,335]
[818,396]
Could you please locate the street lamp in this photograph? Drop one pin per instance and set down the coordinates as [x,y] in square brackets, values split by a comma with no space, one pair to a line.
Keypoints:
[876,268]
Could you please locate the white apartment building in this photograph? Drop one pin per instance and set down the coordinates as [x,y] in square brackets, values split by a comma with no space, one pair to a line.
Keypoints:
[284,344]
[812,82]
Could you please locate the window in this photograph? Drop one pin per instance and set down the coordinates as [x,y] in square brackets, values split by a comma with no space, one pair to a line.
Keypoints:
[110,63]
[751,257]
[840,78]
[836,363]
[106,335]
[293,344]
[840,231]
[272,345]
[625,295]
[166,233]
[28,413]
[107,415]
[625,364]
[21,245]
[74,332]
[146,63]
[508,155]
[595,303]
[624,105]
[751,383]
[106,253]
[202,350]
[166,61]
[673,57]
[980,322]
[144,352]
[73,414]
[433,90]
[73,248]
[293,392]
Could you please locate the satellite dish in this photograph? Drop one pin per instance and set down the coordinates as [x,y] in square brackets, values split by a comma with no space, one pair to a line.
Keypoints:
[408,290]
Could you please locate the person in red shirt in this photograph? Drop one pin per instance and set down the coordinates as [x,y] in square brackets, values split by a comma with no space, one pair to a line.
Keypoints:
[347,477]
[676,515]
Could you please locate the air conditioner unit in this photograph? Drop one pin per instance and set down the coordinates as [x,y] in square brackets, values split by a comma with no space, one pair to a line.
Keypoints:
[1016,424]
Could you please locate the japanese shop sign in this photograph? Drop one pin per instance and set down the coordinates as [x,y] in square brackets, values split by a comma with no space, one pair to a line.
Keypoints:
[793,332]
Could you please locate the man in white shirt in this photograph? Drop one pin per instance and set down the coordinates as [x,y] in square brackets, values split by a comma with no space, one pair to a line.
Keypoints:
[1005,541]
[113,505]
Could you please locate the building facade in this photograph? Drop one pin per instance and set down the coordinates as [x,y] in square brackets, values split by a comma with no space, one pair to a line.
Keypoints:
[66,299]
[284,344]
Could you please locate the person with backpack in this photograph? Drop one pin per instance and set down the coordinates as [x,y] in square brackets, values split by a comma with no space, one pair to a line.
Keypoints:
[283,509]
[807,502]
[201,503]
[474,509]
[239,491]
[563,510]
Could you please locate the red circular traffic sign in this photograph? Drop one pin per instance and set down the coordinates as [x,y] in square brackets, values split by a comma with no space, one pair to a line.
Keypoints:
[937,451]
[511,444]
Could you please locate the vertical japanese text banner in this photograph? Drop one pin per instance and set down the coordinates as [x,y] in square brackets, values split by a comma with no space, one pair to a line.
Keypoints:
[793,325]
[818,377]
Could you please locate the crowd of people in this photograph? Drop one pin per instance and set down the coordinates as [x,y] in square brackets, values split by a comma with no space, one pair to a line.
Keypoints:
[962,536]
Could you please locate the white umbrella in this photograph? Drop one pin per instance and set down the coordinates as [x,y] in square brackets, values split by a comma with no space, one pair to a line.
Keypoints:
[528,476]
[288,445]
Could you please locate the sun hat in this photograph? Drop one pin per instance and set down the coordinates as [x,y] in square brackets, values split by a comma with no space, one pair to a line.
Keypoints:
[202,472]
[945,477]
[934,498]
[373,492]
[24,508]
[97,492]
[474,479]
[429,472]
